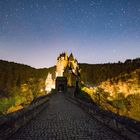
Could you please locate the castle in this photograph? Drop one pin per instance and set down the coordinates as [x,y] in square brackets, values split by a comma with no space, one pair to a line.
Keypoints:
[64,63]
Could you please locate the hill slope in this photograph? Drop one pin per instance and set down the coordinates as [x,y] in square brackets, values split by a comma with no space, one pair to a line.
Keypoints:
[14,74]
[114,87]
[20,84]
[94,74]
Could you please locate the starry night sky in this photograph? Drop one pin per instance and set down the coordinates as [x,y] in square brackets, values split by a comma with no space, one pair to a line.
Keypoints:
[34,32]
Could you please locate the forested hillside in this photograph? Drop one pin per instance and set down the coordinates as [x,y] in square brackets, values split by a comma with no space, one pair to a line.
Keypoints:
[13,75]
[114,87]
[20,84]
[94,74]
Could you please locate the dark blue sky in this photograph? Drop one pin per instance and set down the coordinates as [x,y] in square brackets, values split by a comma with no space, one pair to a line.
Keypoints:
[34,32]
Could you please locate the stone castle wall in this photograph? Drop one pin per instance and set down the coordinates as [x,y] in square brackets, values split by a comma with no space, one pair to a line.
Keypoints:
[60,66]
[62,62]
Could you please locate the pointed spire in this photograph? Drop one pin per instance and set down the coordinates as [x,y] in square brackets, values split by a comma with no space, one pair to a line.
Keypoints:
[66,55]
[71,58]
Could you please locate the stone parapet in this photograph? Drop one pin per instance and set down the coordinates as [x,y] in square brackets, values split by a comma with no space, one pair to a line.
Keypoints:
[10,123]
[128,128]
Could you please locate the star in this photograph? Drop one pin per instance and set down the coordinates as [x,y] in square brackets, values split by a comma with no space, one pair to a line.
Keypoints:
[37,5]
[44,7]
[114,50]
[6,16]
[75,1]
[120,24]
[31,6]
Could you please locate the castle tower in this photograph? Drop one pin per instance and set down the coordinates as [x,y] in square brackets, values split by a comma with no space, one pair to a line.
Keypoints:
[71,58]
[65,66]
[62,62]
[49,83]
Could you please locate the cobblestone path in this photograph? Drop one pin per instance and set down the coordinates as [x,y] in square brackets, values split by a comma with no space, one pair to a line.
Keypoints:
[63,120]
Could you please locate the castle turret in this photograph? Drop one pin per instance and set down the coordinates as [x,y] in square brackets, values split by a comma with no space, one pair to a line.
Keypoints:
[49,83]
[62,62]
[71,58]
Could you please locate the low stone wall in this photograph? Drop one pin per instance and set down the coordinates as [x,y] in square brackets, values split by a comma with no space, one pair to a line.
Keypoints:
[10,123]
[128,128]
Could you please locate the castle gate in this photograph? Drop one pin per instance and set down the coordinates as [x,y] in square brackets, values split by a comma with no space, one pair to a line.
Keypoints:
[61,84]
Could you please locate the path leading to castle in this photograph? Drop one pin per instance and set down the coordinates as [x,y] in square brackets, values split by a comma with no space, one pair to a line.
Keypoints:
[63,120]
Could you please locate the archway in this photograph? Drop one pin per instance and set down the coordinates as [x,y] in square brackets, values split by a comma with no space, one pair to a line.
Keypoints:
[61,84]
[61,88]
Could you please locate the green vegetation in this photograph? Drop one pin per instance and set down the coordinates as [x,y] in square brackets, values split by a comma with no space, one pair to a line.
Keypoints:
[114,87]
[20,84]
[94,74]
[117,91]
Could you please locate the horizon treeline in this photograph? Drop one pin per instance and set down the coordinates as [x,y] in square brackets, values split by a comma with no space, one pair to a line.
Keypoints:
[14,74]
[94,74]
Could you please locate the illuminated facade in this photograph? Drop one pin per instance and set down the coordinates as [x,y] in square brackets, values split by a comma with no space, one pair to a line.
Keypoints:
[62,62]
